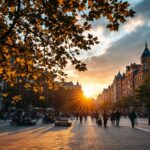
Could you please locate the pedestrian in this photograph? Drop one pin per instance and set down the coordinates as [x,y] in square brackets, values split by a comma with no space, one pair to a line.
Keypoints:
[132,116]
[99,121]
[77,115]
[96,116]
[81,117]
[117,117]
[105,118]
[112,118]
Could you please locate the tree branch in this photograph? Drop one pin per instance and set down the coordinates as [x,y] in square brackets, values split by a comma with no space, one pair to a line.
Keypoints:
[13,24]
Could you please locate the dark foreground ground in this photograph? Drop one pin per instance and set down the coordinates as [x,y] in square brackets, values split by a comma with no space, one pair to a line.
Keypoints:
[85,136]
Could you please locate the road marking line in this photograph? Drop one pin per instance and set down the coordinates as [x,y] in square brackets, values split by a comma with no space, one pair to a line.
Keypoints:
[142,129]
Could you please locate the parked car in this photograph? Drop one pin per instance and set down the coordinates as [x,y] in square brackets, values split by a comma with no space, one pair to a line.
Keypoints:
[22,122]
[48,119]
[62,122]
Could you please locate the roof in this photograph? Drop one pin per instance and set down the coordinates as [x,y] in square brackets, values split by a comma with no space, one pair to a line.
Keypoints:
[119,75]
[68,83]
[146,52]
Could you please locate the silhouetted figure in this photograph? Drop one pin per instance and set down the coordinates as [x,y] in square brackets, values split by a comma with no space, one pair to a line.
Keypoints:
[77,115]
[92,116]
[117,117]
[105,118]
[96,116]
[99,121]
[112,118]
[85,116]
[81,117]
[132,116]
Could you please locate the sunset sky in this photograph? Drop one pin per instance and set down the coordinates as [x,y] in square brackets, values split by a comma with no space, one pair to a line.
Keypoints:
[115,50]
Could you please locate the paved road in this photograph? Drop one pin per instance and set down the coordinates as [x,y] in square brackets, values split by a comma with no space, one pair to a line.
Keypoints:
[85,136]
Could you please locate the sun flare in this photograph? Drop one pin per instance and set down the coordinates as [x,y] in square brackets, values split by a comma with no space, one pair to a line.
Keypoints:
[87,93]
[90,90]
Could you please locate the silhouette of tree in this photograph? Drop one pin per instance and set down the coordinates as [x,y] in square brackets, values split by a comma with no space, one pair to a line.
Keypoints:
[38,36]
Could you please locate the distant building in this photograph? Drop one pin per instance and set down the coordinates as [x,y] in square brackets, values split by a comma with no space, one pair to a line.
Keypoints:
[128,85]
[71,85]
[125,84]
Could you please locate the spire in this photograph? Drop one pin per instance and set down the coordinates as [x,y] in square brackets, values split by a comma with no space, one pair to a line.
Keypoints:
[119,75]
[77,83]
[145,44]
[146,52]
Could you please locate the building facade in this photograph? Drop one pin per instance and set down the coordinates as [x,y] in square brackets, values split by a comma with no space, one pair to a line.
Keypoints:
[125,84]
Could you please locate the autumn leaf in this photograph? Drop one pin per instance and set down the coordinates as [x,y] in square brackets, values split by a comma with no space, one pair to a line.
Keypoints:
[12,8]
[90,3]
[17,98]
[60,1]
[35,77]
[27,85]
[41,98]
[35,89]
[30,62]
[1,70]
[5,94]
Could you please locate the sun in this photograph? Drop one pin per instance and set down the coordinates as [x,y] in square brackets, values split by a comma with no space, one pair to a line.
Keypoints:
[87,93]
[90,90]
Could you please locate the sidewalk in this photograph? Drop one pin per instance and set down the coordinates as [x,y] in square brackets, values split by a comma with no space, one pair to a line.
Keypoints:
[7,122]
[4,122]
[143,124]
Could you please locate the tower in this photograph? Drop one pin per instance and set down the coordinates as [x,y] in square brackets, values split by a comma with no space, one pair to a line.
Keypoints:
[145,58]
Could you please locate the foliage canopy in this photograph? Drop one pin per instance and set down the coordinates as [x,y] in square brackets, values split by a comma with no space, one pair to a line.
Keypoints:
[39,37]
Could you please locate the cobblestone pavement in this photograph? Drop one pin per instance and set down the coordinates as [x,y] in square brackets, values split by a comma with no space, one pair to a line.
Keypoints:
[85,136]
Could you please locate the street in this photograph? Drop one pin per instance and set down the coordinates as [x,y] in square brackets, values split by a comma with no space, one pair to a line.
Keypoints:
[85,136]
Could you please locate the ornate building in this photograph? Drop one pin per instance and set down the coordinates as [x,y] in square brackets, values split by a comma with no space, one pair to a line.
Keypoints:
[71,85]
[125,84]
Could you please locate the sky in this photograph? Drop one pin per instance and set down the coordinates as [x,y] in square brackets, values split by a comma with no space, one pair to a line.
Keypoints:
[115,51]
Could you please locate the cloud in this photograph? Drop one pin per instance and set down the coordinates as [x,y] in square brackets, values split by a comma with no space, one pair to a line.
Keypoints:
[117,49]
[133,24]
[143,8]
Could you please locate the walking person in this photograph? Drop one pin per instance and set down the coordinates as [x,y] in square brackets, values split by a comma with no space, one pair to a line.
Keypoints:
[117,117]
[77,115]
[81,117]
[96,116]
[112,118]
[105,118]
[132,116]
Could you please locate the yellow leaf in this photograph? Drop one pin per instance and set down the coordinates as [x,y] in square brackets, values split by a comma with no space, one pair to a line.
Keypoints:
[41,98]
[35,77]
[5,94]
[20,81]
[9,40]
[55,16]
[60,1]
[90,3]
[12,8]
[27,85]
[17,98]
[5,50]
[23,74]
[1,70]
[30,62]
[35,89]
[9,73]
